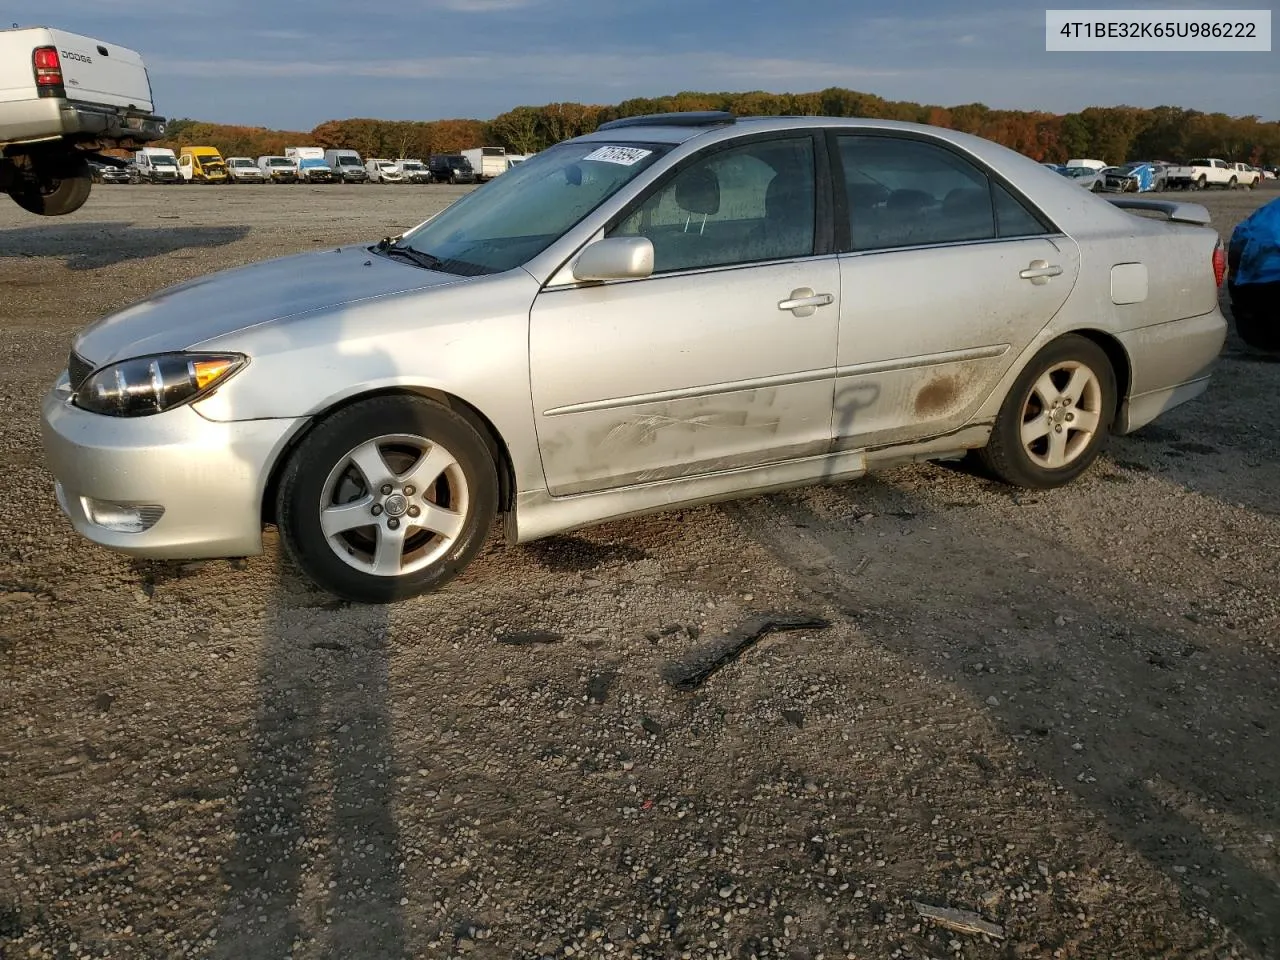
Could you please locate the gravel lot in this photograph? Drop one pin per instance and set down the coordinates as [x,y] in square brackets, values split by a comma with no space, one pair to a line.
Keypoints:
[1057,711]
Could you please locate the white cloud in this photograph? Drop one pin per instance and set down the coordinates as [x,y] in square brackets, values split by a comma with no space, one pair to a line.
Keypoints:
[622,70]
[482,6]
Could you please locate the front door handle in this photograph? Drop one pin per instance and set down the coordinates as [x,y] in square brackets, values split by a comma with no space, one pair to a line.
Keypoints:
[1040,271]
[803,301]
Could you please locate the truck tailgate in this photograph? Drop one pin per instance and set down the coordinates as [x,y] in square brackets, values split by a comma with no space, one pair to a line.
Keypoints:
[96,72]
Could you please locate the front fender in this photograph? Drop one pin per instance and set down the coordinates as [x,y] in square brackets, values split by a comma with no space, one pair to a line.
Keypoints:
[426,341]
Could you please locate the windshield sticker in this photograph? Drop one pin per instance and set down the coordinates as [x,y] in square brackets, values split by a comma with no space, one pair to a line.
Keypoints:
[626,156]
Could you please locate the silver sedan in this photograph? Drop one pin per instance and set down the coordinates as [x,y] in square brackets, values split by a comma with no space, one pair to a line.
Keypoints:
[671,310]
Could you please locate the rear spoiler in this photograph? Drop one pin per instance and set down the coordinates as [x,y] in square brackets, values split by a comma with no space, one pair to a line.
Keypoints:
[1172,210]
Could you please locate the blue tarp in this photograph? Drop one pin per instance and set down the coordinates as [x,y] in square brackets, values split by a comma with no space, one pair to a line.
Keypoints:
[1258,239]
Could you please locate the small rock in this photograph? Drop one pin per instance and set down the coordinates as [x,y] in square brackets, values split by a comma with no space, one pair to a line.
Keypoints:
[104,701]
[651,726]
[794,717]
[598,687]
[993,701]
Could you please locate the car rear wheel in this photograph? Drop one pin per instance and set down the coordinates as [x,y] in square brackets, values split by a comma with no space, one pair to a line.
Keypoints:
[1056,418]
[52,188]
[387,498]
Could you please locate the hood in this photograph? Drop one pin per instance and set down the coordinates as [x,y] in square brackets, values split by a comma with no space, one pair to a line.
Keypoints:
[190,313]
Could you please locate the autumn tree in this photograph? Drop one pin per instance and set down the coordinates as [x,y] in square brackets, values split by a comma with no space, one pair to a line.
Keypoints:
[1114,133]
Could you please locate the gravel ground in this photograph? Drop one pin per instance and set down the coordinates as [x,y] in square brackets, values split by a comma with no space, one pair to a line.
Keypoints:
[1056,711]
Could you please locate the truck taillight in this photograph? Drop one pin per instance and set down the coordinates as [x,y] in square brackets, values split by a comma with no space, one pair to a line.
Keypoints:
[48,71]
[1219,264]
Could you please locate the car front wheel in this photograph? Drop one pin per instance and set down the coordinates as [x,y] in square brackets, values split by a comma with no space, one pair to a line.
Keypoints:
[1056,418]
[387,498]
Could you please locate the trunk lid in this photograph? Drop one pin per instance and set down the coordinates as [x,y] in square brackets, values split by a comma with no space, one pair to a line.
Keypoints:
[102,73]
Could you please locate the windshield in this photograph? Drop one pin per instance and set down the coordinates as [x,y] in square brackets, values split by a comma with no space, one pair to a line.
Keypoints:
[240,162]
[163,161]
[280,162]
[1077,171]
[411,165]
[349,161]
[516,217]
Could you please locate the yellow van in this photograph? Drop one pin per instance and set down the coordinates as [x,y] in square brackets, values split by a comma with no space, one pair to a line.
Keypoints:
[202,165]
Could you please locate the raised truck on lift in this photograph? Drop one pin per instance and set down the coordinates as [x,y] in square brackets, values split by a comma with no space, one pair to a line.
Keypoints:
[64,99]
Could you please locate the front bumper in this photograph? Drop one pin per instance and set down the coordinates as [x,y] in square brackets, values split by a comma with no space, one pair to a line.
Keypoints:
[209,477]
[284,177]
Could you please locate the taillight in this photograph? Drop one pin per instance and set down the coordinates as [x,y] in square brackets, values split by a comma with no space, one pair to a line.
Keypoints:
[1219,264]
[48,71]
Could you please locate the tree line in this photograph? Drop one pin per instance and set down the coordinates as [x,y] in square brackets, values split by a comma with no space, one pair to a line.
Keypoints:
[1112,134]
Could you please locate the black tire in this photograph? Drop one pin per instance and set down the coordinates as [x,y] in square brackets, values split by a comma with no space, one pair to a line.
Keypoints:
[302,491]
[1202,183]
[1096,188]
[1005,456]
[1256,334]
[46,195]
[1232,183]
[1255,308]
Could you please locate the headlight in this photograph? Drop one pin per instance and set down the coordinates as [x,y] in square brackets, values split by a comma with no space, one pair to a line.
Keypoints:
[148,385]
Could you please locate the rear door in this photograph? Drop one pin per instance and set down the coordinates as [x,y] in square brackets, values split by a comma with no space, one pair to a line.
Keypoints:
[102,73]
[946,276]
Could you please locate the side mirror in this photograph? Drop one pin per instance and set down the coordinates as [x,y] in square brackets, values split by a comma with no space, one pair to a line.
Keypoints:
[615,258]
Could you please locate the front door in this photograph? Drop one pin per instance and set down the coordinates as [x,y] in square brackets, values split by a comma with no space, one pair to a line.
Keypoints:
[723,358]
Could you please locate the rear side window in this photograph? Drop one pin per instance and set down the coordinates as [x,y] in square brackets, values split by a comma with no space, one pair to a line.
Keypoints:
[906,192]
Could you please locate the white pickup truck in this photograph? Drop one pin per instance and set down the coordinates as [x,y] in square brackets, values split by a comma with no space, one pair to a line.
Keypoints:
[64,98]
[1202,174]
[1247,176]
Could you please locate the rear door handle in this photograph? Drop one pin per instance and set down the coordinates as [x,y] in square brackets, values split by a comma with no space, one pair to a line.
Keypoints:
[1040,271]
[803,301]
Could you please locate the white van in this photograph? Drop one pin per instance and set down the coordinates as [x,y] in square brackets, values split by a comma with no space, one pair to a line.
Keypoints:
[278,169]
[157,165]
[311,164]
[1089,164]
[383,171]
[413,171]
[347,166]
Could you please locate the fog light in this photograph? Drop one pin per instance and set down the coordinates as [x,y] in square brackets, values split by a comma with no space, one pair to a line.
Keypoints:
[122,517]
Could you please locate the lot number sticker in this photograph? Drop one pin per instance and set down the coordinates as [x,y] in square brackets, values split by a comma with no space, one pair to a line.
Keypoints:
[625,156]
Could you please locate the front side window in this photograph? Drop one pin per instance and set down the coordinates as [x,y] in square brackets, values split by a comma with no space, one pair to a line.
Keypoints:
[905,192]
[518,215]
[739,205]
